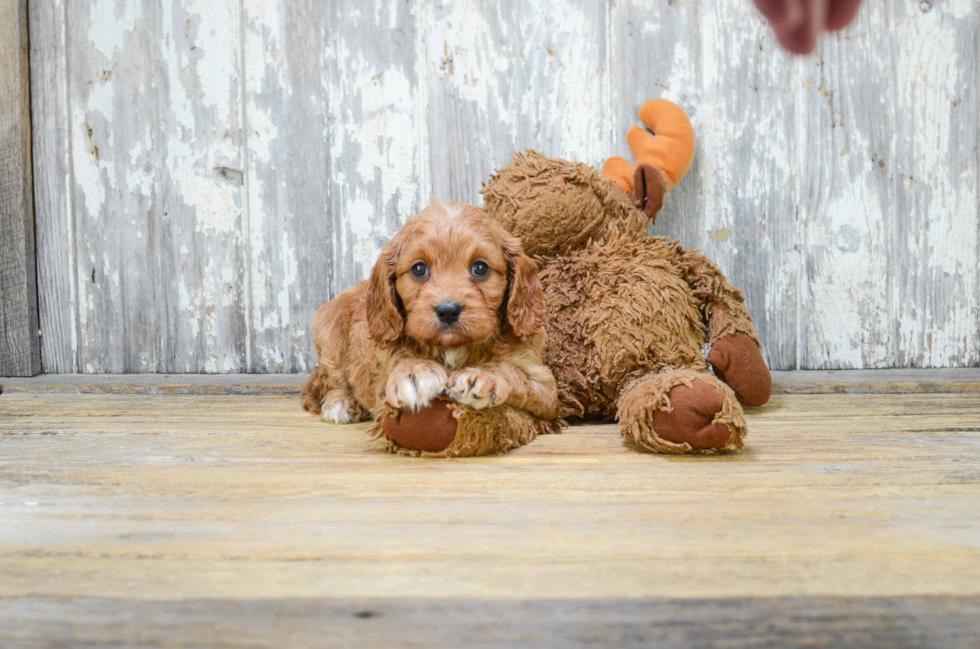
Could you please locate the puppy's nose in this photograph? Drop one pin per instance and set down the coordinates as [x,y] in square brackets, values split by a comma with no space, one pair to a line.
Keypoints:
[448,312]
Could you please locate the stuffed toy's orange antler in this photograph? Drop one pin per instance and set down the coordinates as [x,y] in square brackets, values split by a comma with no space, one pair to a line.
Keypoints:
[666,144]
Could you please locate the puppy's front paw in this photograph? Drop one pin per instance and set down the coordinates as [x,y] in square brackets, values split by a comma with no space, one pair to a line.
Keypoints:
[477,389]
[413,386]
[340,407]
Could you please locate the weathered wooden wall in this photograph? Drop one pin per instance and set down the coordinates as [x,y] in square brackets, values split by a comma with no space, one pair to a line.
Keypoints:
[19,344]
[209,172]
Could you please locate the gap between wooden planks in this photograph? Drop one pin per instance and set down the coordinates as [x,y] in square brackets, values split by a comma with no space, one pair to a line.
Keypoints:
[894,381]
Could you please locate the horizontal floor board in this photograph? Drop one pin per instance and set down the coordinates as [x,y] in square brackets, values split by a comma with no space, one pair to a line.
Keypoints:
[248,496]
[209,519]
[941,622]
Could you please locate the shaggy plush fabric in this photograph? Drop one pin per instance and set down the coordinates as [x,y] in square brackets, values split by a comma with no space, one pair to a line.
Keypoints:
[477,432]
[620,304]
[617,310]
[554,206]
[629,315]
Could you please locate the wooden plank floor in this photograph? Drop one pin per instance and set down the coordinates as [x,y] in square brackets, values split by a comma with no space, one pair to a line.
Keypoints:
[204,520]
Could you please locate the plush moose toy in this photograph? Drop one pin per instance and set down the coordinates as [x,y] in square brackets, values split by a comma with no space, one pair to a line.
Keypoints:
[628,314]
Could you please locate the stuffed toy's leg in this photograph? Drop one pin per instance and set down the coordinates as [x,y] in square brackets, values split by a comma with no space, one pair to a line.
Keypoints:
[736,354]
[447,429]
[681,411]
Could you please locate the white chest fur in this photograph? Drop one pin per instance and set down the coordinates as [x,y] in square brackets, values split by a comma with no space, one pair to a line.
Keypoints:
[454,357]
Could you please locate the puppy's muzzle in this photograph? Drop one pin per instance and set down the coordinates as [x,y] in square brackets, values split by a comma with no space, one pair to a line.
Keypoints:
[448,312]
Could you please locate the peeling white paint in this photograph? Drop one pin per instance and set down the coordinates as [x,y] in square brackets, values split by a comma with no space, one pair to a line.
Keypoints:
[189,309]
[289,274]
[847,279]
[88,169]
[365,236]
[215,206]
[108,29]
[197,165]
[462,50]
[217,54]
[716,168]
[375,142]
[381,137]
[932,82]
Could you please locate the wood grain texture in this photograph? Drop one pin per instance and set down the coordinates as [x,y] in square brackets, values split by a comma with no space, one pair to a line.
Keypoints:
[157,160]
[506,76]
[738,87]
[335,158]
[925,622]
[937,183]
[53,211]
[748,139]
[847,206]
[19,343]
[655,53]
[287,115]
[203,508]
[282,149]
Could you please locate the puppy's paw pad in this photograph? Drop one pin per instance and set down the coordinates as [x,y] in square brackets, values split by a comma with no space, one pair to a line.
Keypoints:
[477,389]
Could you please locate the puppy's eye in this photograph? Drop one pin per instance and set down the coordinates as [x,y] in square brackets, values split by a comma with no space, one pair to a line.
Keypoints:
[420,270]
[479,269]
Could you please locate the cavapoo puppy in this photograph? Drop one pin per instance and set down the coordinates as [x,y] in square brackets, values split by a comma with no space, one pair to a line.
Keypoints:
[453,308]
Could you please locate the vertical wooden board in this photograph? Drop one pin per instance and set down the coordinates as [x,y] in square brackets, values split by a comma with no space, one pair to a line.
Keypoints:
[336,159]
[937,215]
[52,186]
[510,75]
[19,346]
[157,164]
[746,171]
[654,50]
[847,164]
[287,178]
[377,131]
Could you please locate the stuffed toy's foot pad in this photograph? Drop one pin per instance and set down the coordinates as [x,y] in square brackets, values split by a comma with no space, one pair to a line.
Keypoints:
[683,410]
[432,428]
[691,417]
[738,362]
[449,429]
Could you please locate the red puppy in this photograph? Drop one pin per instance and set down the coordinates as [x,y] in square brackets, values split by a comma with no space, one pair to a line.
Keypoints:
[453,308]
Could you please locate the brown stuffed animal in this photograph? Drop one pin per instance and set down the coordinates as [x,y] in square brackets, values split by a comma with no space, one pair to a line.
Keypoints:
[628,314]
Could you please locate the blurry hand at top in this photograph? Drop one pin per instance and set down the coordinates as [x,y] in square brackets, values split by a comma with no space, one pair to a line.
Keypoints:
[799,23]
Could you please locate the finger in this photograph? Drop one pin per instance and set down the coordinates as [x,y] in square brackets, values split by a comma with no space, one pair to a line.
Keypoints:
[803,39]
[797,41]
[841,13]
[785,14]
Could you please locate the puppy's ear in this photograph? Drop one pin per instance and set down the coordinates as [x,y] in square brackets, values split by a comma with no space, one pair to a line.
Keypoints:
[384,316]
[525,308]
